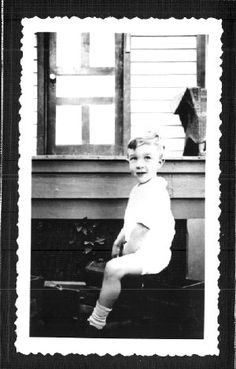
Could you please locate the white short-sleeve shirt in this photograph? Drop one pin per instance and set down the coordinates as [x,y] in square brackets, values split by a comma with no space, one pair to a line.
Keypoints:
[149,204]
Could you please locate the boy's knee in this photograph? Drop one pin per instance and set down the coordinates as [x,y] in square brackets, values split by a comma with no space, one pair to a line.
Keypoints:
[112,269]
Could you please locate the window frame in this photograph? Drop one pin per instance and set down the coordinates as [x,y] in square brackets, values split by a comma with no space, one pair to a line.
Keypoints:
[47,99]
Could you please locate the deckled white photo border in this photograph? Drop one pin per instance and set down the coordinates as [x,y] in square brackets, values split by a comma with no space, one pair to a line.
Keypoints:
[163,347]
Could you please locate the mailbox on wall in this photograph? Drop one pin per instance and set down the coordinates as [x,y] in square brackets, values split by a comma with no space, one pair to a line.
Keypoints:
[192,112]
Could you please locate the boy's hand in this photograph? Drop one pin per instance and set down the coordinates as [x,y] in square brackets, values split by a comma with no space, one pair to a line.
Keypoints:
[137,237]
[115,250]
[118,244]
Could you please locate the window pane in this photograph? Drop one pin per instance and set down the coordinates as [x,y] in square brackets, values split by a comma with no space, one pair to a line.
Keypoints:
[85,86]
[102,49]
[102,124]
[68,51]
[68,125]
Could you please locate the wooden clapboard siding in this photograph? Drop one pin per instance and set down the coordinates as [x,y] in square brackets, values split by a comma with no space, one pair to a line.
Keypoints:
[164,68]
[74,188]
[161,69]
[173,144]
[152,106]
[171,131]
[156,93]
[163,81]
[109,185]
[72,164]
[163,42]
[169,56]
[107,209]
[156,118]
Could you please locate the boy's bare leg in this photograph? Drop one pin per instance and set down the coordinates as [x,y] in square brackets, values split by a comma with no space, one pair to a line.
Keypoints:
[115,270]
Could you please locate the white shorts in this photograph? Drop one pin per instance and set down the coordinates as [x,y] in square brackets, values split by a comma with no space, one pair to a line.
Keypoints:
[151,262]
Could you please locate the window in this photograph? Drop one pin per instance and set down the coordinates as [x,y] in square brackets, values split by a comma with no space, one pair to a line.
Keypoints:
[95,91]
[81,94]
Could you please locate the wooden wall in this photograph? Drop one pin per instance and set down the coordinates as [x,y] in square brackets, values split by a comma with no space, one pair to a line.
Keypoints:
[70,188]
[66,187]
[161,67]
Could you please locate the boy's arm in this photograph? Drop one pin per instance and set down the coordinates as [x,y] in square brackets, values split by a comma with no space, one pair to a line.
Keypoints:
[136,239]
[119,241]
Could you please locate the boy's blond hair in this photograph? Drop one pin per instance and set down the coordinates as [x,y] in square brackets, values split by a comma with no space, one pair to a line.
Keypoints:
[149,138]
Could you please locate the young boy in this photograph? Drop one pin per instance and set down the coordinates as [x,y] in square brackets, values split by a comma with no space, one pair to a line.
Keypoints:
[144,241]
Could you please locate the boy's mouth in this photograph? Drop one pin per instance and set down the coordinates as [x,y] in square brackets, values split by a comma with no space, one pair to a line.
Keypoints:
[140,173]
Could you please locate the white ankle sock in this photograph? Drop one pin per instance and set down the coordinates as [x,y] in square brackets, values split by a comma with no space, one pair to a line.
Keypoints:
[98,316]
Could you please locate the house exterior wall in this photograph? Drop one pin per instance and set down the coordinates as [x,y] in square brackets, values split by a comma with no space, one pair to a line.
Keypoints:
[66,188]
[160,70]
[72,188]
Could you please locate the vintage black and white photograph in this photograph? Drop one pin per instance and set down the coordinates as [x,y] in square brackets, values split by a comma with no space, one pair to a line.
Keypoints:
[118,186]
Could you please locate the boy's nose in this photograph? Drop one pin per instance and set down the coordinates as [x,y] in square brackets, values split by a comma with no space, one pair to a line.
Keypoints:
[139,164]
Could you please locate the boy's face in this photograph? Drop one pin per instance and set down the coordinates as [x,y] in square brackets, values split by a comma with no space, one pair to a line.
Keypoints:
[144,162]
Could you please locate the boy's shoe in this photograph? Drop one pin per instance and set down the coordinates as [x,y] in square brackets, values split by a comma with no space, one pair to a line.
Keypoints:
[92,332]
[111,330]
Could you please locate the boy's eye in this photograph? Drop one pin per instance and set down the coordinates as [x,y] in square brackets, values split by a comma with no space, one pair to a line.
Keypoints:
[133,158]
[147,157]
